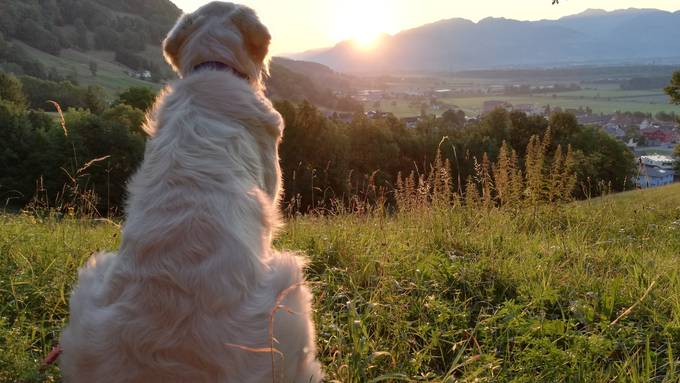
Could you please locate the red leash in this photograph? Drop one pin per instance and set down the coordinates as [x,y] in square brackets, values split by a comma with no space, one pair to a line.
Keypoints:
[52,356]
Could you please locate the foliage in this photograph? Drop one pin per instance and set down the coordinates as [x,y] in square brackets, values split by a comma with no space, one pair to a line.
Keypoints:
[673,89]
[42,159]
[39,92]
[325,161]
[11,90]
[41,24]
[138,97]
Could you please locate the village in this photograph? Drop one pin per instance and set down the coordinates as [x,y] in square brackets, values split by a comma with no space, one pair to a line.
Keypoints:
[650,137]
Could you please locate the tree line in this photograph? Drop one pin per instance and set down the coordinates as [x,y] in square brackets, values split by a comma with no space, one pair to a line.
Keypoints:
[325,160]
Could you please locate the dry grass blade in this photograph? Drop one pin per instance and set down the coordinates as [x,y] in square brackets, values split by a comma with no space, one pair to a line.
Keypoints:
[631,308]
[62,121]
[90,163]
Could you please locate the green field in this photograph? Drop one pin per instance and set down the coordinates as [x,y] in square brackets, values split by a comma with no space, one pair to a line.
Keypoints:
[646,104]
[601,98]
[607,102]
[584,292]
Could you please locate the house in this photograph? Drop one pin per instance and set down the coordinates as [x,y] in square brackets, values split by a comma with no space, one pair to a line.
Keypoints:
[373,114]
[655,170]
[411,122]
[142,75]
[658,136]
[345,117]
[652,177]
[614,130]
[658,161]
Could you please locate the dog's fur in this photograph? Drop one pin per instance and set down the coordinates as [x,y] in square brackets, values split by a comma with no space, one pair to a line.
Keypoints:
[189,297]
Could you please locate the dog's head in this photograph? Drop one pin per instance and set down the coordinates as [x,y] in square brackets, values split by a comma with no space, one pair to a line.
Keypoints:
[223,32]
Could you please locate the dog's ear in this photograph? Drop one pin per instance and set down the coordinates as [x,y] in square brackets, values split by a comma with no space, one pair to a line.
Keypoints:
[176,37]
[256,37]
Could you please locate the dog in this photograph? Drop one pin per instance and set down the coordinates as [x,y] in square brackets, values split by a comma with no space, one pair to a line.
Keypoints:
[195,292]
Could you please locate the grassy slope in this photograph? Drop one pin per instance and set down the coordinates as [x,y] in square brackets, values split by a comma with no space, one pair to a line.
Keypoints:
[110,75]
[435,295]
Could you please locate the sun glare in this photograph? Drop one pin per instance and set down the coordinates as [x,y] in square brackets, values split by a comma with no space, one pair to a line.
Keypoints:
[366,40]
[363,22]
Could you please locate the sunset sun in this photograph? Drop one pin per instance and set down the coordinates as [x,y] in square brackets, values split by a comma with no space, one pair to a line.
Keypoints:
[363,23]
[366,39]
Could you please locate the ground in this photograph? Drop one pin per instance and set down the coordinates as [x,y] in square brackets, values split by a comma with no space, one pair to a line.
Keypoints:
[583,292]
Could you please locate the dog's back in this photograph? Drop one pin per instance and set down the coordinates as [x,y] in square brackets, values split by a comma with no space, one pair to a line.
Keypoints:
[195,293]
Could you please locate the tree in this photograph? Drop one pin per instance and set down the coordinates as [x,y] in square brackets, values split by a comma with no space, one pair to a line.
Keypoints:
[11,90]
[81,34]
[139,97]
[673,89]
[677,159]
[93,68]
[95,99]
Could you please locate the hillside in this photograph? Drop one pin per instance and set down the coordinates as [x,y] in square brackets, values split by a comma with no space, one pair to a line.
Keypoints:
[128,30]
[592,37]
[62,40]
[584,292]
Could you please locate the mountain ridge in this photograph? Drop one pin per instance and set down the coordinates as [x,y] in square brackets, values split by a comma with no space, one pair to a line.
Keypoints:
[593,36]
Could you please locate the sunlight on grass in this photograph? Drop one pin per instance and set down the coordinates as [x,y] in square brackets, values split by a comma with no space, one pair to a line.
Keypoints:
[437,294]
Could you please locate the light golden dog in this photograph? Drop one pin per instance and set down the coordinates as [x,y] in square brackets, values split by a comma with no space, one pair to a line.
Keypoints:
[192,292]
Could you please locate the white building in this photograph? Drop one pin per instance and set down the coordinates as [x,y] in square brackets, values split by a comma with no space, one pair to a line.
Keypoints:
[658,161]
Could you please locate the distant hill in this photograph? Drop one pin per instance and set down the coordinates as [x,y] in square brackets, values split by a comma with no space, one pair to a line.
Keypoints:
[592,37]
[63,39]
[71,39]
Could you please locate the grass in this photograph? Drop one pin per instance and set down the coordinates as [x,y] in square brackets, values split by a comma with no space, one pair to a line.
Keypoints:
[584,292]
[110,75]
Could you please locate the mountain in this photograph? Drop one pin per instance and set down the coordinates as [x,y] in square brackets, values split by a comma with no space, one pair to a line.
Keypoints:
[591,37]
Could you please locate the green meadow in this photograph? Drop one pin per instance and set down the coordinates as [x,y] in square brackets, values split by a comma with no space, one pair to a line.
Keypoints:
[587,291]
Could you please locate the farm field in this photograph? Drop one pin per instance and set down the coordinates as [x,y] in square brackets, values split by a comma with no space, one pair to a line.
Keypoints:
[646,104]
[583,292]
[601,98]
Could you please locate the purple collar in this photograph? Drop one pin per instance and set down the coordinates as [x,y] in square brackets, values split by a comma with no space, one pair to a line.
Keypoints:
[217,65]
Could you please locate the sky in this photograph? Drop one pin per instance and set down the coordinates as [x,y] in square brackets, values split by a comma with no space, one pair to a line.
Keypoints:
[299,25]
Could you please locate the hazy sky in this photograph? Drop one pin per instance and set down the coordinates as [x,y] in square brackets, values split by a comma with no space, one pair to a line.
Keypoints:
[298,25]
